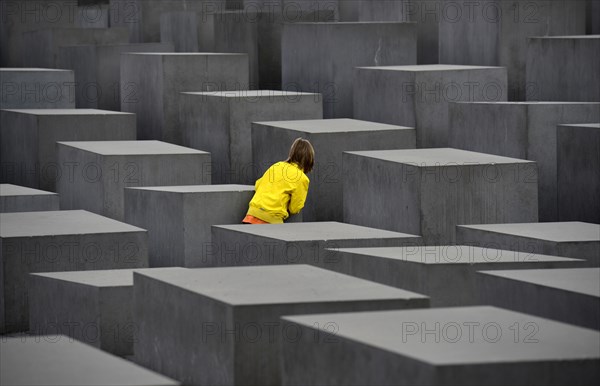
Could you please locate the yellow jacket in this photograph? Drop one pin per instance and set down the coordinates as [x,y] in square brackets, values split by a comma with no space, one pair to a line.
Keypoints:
[281,191]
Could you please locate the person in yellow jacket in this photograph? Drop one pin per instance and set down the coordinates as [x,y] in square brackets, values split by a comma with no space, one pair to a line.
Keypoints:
[282,190]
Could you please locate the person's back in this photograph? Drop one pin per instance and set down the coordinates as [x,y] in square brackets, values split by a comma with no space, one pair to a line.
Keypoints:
[283,188]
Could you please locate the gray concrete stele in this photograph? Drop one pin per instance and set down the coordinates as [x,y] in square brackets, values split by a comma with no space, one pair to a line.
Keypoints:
[15,198]
[37,88]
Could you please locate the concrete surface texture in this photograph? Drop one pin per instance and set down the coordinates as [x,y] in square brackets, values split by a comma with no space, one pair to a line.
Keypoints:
[180,28]
[524,130]
[445,273]
[44,43]
[578,172]
[327,65]
[329,137]
[98,73]
[443,346]
[571,239]
[37,88]
[428,192]
[29,136]
[247,302]
[495,33]
[14,198]
[153,94]
[59,241]
[221,123]
[295,243]
[563,68]
[418,96]
[179,218]
[60,360]
[568,295]
[102,169]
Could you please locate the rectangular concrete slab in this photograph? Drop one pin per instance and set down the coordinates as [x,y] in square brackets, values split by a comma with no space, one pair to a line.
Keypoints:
[221,123]
[327,65]
[94,307]
[418,96]
[60,360]
[563,68]
[98,71]
[15,198]
[179,218]
[578,240]
[568,295]
[524,130]
[44,43]
[59,241]
[207,320]
[329,137]
[29,136]
[37,88]
[429,191]
[445,273]
[102,169]
[578,172]
[153,94]
[294,243]
[447,346]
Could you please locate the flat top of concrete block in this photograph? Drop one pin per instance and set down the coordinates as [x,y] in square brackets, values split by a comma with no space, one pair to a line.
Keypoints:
[311,231]
[342,125]
[452,254]
[584,281]
[550,231]
[56,223]
[66,112]
[437,157]
[588,125]
[19,69]
[131,147]
[277,284]
[60,360]
[197,188]
[9,190]
[97,278]
[473,335]
[431,67]
[250,94]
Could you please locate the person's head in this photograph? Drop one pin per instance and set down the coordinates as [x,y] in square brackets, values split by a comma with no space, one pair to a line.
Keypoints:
[303,154]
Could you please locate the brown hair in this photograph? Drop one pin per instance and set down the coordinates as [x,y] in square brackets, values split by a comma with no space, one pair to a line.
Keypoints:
[303,154]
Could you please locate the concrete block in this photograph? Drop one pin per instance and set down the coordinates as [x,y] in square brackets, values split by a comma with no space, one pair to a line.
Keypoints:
[94,307]
[329,137]
[28,149]
[221,325]
[428,192]
[447,273]
[296,243]
[221,123]
[59,241]
[418,96]
[15,198]
[464,345]
[102,169]
[44,43]
[568,295]
[127,14]
[63,361]
[578,174]
[327,65]
[525,130]
[179,218]
[592,17]
[570,239]
[181,29]
[98,72]
[564,68]
[37,88]
[495,33]
[153,94]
